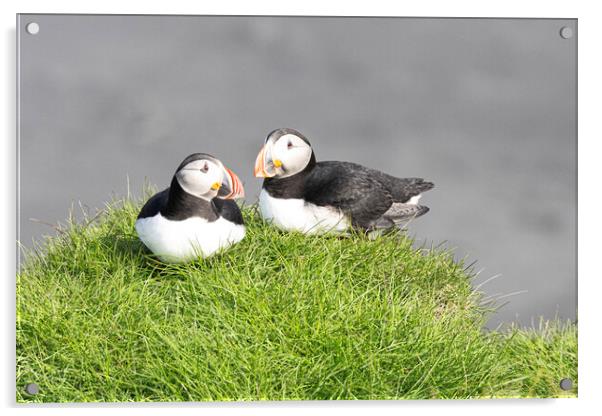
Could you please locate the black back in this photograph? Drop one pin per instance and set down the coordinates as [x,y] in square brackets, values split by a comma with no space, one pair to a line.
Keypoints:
[154,205]
[362,193]
[228,209]
[401,189]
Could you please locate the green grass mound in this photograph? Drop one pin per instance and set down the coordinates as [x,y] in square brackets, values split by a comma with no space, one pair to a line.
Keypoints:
[281,316]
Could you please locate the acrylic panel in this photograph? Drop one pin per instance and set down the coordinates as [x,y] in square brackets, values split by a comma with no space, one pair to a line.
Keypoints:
[319,280]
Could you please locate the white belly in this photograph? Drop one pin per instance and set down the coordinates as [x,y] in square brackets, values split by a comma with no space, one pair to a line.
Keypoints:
[180,241]
[298,215]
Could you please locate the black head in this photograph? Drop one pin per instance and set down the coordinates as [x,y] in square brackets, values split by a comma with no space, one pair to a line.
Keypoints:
[286,152]
[204,176]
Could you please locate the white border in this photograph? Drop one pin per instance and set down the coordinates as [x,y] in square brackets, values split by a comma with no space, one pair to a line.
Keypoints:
[589,153]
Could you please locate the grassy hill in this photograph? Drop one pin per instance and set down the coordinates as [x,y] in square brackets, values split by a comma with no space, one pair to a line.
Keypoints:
[278,317]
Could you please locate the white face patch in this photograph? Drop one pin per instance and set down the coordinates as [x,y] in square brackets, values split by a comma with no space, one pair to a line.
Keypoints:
[292,152]
[199,178]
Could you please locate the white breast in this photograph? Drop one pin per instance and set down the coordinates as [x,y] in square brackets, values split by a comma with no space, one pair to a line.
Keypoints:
[180,241]
[298,215]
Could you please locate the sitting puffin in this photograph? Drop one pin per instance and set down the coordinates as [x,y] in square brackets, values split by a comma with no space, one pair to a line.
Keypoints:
[195,216]
[301,194]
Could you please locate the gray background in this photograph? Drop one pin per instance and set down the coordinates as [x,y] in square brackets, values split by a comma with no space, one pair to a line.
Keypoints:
[485,108]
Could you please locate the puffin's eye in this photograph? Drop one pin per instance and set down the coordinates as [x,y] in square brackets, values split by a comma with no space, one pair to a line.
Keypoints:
[205,168]
[289,145]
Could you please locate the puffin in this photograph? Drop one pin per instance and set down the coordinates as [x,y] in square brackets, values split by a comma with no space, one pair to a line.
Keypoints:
[196,216]
[300,194]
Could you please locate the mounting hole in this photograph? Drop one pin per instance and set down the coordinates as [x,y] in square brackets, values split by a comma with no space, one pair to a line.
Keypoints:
[32,28]
[566,384]
[32,388]
[566,32]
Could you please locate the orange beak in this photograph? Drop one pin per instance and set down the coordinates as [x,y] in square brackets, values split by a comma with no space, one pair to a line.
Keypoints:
[233,184]
[259,170]
[260,165]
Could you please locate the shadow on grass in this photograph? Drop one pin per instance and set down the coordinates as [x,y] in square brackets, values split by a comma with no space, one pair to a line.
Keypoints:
[127,246]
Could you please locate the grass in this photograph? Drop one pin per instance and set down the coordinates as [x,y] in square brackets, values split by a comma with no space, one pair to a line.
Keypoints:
[281,316]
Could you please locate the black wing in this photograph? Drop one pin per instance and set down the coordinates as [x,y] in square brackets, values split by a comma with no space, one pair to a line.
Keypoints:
[228,209]
[155,204]
[351,188]
[401,189]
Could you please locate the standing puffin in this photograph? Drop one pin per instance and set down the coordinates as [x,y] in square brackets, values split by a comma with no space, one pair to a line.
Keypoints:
[195,216]
[301,194]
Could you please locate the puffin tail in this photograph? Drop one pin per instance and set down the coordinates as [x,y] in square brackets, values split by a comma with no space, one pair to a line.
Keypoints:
[399,214]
